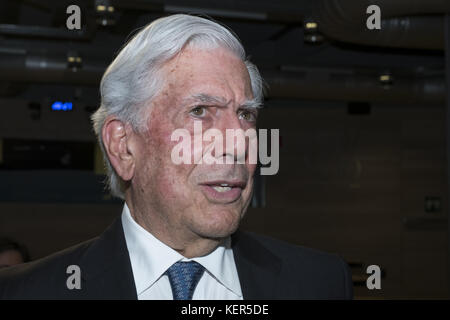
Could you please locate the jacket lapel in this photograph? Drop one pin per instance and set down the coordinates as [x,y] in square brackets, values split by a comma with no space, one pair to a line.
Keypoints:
[106,267]
[107,273]
[257,267]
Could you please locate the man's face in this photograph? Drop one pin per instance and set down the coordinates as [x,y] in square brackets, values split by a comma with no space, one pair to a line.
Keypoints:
[183,197]
[10,258]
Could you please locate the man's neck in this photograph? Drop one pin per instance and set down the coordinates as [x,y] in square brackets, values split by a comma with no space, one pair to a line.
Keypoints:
[188,245]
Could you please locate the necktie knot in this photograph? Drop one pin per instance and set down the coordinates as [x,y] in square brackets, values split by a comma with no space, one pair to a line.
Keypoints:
[184,277]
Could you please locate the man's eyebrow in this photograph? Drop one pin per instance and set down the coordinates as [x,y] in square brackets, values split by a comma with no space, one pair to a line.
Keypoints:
[251,104]
[206,98]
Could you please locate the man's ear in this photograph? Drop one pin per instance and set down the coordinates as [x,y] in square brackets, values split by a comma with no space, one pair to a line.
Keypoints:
[117,139]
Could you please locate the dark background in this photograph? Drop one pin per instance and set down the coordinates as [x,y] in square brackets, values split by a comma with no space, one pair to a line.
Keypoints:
[363,118]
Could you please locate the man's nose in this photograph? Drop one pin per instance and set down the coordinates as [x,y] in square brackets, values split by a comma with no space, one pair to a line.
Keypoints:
[235,146]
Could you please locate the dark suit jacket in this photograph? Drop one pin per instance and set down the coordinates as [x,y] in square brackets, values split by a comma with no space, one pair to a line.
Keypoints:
[267,268]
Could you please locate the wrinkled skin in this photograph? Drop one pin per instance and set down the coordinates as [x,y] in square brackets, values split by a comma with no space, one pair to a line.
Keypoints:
[169,200]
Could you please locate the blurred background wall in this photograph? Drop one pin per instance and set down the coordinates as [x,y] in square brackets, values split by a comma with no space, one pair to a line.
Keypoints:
[362,114]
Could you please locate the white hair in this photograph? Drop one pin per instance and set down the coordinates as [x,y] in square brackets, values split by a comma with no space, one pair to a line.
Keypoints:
[135,77]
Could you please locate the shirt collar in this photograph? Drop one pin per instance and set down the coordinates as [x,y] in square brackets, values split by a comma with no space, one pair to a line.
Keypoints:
[150,258]
[220,264]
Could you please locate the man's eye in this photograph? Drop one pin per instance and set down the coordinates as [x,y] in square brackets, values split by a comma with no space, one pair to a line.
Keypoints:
[198,111]
[247,116]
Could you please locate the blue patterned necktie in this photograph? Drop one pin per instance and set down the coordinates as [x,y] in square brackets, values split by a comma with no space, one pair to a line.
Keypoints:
[184,277]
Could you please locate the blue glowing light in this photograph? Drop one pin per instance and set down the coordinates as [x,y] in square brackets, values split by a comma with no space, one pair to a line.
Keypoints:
[62,106]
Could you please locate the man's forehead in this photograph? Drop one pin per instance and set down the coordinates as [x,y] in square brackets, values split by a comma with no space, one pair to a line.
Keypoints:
[213,81]
[195,62]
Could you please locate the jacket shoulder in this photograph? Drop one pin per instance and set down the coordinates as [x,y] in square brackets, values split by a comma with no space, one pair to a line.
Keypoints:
[291,251]
[322,275]
[43,278]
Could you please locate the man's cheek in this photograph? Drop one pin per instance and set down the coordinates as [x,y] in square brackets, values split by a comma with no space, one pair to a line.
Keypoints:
[248,189]
[251,168]
[176,177]
[168,188]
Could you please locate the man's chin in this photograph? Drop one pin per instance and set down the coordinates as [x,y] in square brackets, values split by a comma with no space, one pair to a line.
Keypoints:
[219,230]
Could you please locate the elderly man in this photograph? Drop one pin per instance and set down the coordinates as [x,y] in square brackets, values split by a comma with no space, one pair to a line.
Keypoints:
[178,236]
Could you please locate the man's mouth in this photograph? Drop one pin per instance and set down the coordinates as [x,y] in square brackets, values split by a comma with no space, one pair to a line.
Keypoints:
[223,191]
[222,188]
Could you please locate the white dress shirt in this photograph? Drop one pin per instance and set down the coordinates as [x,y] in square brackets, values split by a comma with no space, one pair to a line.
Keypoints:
[150,258]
